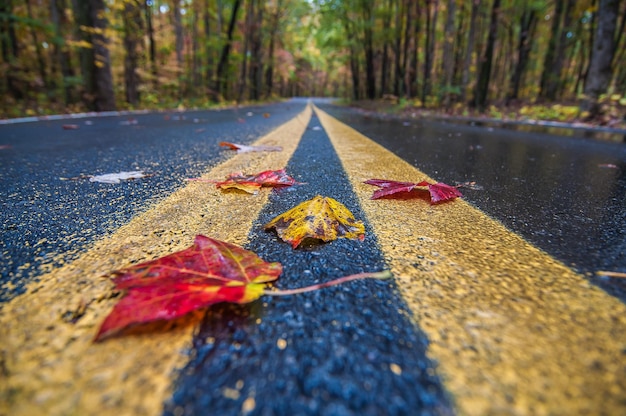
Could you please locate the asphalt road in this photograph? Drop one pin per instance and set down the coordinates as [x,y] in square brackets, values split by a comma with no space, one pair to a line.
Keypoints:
[485,314]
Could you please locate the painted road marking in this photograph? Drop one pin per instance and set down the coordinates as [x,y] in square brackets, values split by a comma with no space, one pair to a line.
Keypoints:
[49,365]
[513,330]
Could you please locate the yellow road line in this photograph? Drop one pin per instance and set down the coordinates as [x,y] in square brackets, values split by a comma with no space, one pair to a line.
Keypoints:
[513,331]
[52,366]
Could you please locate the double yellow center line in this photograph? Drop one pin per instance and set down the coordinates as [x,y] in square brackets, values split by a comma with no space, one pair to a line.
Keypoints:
[513,330]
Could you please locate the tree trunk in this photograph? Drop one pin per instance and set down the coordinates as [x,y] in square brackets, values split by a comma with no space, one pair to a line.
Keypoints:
[602,52]
[95,61]
[528,22]
[208,51]
[469,51]
[41,64]
[256,59]
[132,32]
[269,71]
[482,85]
[407,50]
[564,44]
[62,54]
[104,93]
[428,53]
[354,69]
[196,76]
[151,43]
[448,53]
[368,47]
[414,57]
[178,33]
[384,71]
[10,48]
[549,76]
[220,82]
[243,77]
[399,69]
[619,53]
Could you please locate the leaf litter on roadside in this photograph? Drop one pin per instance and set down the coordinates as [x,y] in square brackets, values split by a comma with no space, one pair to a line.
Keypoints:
[209,272]
[320,218]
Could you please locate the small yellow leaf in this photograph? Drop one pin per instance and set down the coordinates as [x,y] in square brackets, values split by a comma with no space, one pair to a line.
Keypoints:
[320,218]
[246,186]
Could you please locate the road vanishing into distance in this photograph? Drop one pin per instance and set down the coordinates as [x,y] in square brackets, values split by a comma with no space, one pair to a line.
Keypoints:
[500,303]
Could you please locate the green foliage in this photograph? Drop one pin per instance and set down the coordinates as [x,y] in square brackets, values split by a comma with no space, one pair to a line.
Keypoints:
[556,112]
[317,45]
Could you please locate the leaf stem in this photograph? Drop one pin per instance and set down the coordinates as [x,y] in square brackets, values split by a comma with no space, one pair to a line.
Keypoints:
[610,274]
[385,274]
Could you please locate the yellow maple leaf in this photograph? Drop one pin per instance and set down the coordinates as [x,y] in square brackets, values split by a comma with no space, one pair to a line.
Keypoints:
[320,218]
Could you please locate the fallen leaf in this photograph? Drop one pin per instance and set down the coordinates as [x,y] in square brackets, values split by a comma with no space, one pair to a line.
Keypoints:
[241,148]
[210,271]
[117,177]
[266,115]
[439,192]
[70,127]
[129,122]
[320,218]
[252,183]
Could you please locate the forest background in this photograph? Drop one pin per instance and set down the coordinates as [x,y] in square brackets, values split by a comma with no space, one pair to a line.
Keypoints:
[558,59]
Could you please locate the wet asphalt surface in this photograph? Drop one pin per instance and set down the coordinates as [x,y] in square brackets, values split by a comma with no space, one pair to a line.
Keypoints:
[566,195]
[327,352]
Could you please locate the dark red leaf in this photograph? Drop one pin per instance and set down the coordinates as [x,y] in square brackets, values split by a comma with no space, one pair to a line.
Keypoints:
[210,271]
[251,183]
[439,192]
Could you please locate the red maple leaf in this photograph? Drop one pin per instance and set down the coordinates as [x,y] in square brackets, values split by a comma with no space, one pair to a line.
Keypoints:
[252,183]
[209,272]
[439,192]
[266,178]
